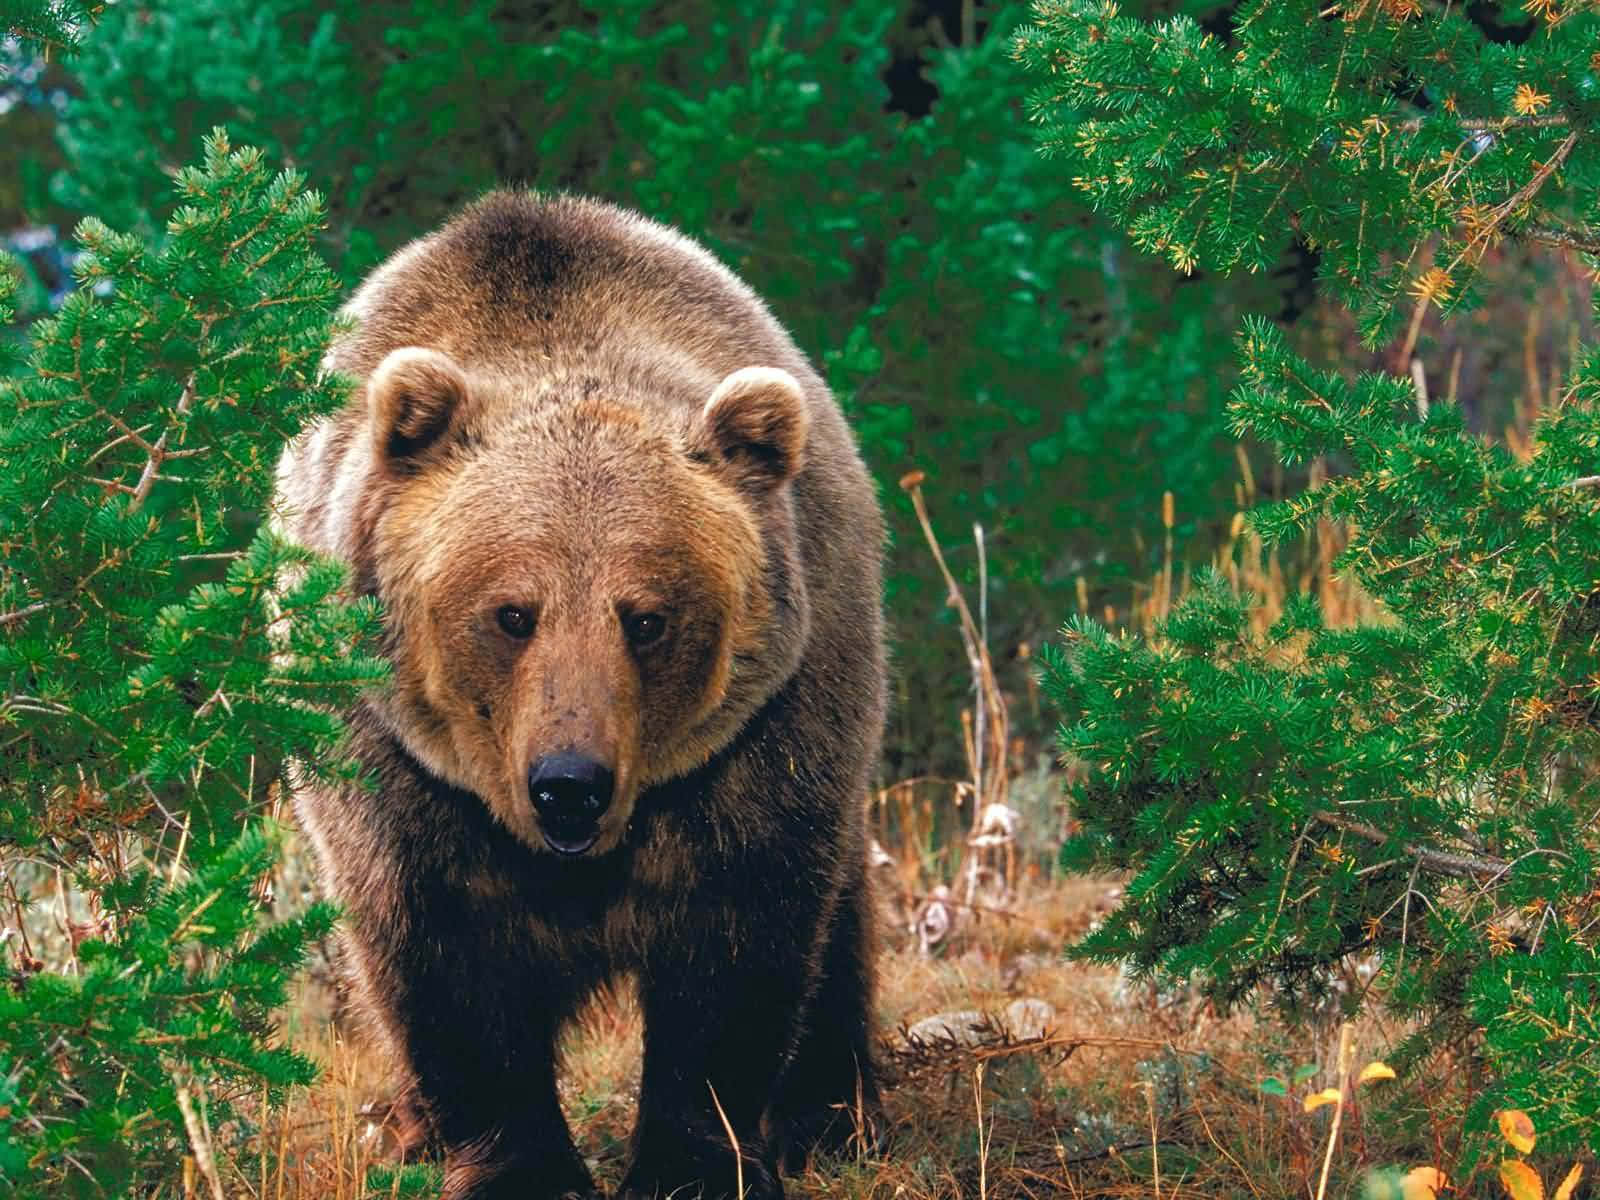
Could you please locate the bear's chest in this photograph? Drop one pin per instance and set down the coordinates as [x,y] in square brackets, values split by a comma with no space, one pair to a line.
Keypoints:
[585,915]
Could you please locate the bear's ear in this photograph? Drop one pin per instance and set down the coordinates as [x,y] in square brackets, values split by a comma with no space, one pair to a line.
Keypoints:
[411,399]
[757,421]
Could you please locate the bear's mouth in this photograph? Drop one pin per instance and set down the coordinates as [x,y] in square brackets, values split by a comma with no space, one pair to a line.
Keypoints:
[570,847]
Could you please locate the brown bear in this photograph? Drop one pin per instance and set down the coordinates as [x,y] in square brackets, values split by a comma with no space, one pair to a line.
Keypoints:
[628,558]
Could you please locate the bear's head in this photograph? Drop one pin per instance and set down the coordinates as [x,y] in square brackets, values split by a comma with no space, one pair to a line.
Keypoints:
[584,595]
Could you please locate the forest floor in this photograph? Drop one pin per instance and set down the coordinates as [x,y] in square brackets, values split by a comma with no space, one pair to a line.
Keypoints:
[1029,1075]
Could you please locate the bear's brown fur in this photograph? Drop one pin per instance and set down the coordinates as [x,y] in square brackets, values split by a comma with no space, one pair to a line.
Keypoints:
[613,516]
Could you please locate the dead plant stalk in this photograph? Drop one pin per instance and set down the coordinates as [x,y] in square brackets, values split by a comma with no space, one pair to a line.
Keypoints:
[1345,1031]
[987,749]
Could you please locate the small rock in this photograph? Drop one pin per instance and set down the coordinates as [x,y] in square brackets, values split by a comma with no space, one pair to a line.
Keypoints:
[1022,1021]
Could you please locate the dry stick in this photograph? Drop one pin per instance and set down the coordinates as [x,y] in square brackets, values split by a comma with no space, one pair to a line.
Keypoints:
[26,611]
[983,1147]
[977,653]
[158,452]
[283,1149]
[1419,380]
[972,907]
[1155,1154]
[738,1158]
[1338,1112]
[1462,866]
[1066,1044]
[980,717]
[991,710]
[1166,565]
[199,1139]
[1243,1174]
[996,764]
[1565,239]
[1521,196]
[261,1154]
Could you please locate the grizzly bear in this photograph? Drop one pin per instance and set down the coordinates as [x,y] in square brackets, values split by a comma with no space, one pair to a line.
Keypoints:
[628,560]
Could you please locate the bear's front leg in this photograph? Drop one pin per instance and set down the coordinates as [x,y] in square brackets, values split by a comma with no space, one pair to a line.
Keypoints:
[718,1029]
[493,1102]
[477,1028]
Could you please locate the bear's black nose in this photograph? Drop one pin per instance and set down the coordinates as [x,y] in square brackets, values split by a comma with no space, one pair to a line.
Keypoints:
[570,793]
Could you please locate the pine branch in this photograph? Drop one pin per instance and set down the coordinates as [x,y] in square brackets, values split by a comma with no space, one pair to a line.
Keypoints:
[111,670]
[1483,231]
[1441,862]
[1584,240]
[23,612]
[158,452]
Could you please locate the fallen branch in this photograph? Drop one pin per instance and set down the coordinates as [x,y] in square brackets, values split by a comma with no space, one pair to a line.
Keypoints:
[909,1059]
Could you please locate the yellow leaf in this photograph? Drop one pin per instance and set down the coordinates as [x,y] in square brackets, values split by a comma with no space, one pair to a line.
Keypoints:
[1318,1099]
[1570,1183]
[1374,1070]
[1432,286]
[1529,100]
[1516,1128]
[1520,1180]
[1423,1183]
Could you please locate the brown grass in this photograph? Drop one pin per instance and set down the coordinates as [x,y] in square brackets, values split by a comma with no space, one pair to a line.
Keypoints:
[1130,1092]
[1123,1079]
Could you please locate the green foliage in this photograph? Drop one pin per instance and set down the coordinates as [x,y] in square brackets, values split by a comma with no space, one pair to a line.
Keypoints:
[411,1182]
[159,670]
[1420,788]
[53,24]
[978,322]
[1400,142]
[164,75]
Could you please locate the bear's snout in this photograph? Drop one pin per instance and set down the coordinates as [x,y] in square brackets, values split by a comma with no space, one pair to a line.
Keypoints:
[570,793]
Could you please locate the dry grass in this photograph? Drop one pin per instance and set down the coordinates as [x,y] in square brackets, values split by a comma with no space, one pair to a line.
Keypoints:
[1122,1082]
[1129,1092]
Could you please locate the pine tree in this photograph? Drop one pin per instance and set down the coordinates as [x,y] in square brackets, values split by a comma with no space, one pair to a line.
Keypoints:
[52,24]
[155,683]
[978,322]
[1424,787]
[1398,140]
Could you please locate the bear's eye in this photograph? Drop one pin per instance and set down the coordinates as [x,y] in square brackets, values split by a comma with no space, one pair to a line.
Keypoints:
[643,629]
[515,620]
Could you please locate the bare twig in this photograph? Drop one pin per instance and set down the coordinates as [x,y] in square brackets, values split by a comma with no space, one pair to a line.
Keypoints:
[1442,862]
[1476,125]
[1419,380]
[199,1131]
[983,1144]
[158,452]
[1584,240]
[970,906]
[1338,1111]
[984,682]
[1155,1153]
[1518,198]
[25,611]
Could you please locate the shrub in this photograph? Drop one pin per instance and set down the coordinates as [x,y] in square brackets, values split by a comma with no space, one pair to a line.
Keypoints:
[1423,786]
[147,719]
